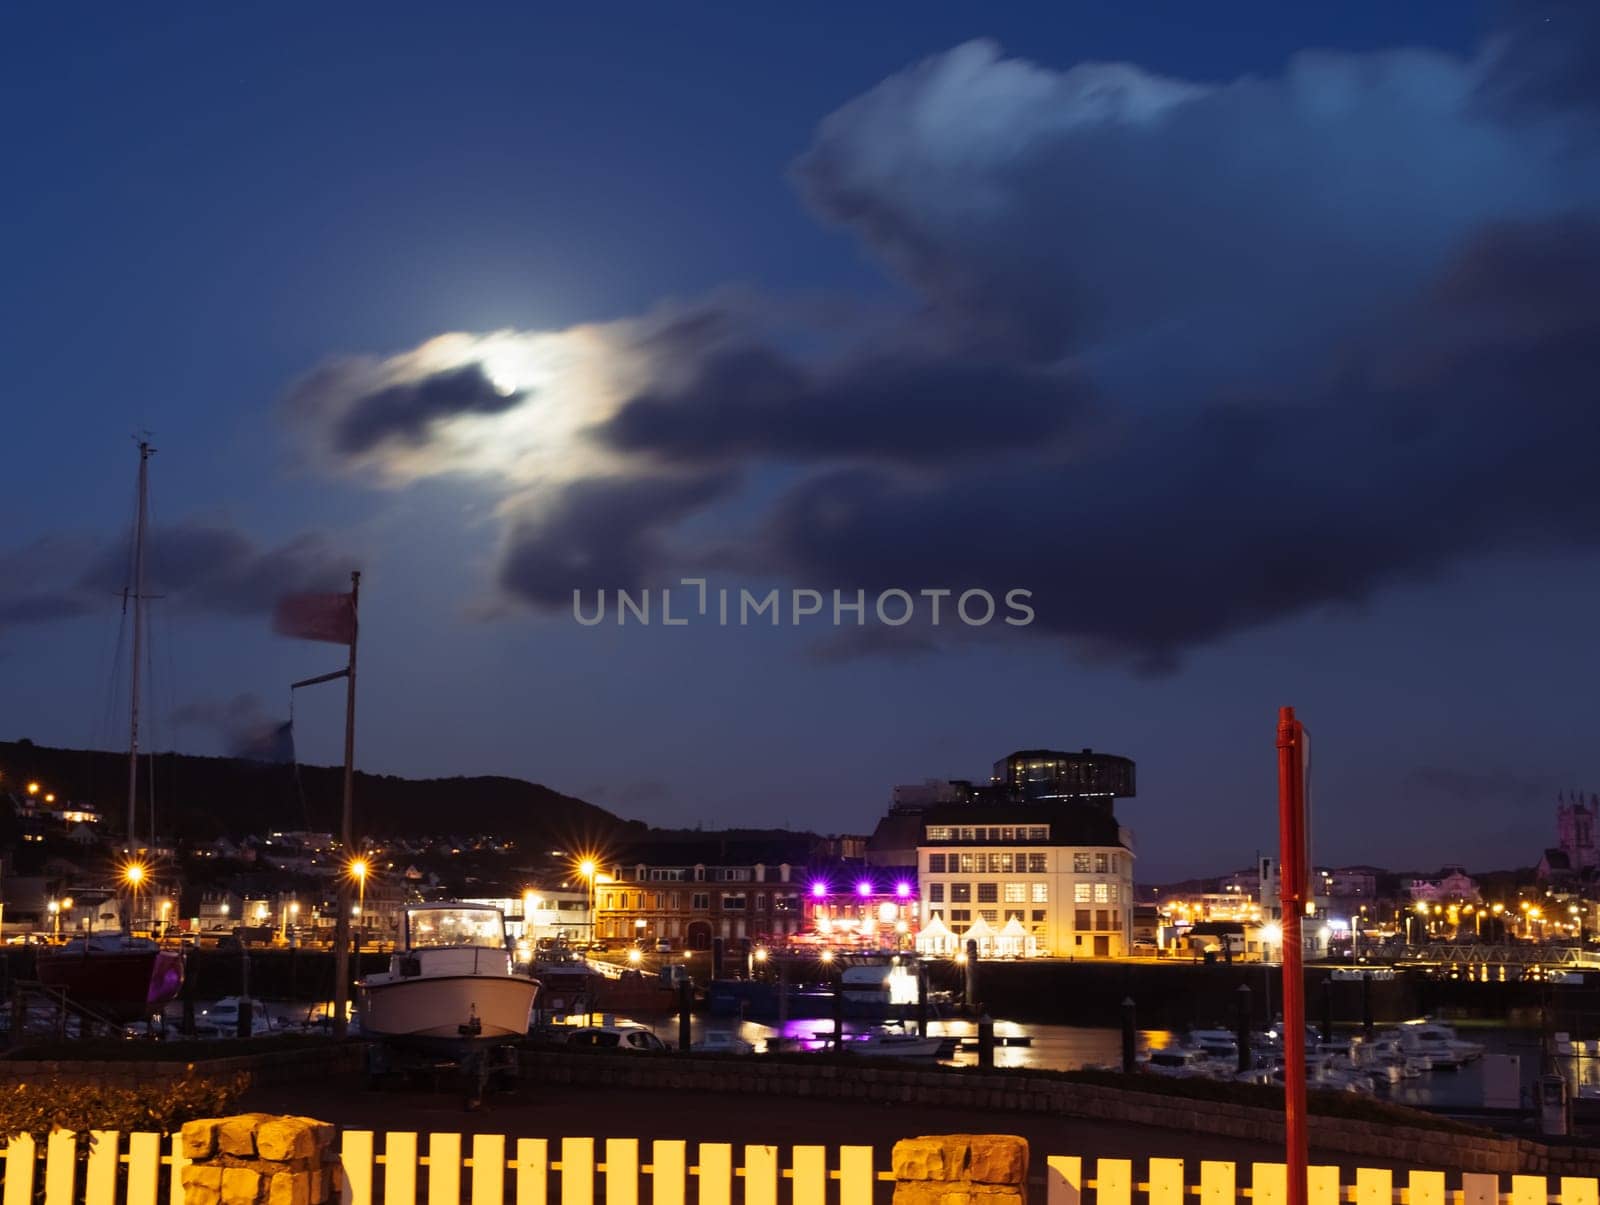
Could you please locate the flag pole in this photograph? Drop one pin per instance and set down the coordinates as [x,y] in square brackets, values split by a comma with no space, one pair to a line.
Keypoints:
[341,928]
[1292,880]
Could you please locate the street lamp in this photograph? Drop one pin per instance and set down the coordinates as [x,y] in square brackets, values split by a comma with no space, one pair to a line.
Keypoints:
[590,870]
[358,869]
[55,917]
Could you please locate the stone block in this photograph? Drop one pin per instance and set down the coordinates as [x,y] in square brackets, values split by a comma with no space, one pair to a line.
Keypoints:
[200,1137]
[240,1186]
[236,1135]
[290,1188]
[202,1185]
[283,1138]
[998,1159]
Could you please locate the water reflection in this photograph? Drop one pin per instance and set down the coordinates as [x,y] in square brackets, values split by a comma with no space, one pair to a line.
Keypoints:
[1069,1047]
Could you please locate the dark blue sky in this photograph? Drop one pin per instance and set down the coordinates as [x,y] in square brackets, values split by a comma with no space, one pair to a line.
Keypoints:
[1157,343]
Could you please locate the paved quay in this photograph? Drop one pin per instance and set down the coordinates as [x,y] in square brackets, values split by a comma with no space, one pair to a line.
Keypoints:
[580,1111]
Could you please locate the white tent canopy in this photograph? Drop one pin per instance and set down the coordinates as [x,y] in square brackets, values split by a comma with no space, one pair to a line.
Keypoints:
[981,933]
[1014,941]
[935,938]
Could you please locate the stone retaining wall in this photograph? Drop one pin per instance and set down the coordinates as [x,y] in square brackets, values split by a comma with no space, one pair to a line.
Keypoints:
[1018,1092]
[272,1067]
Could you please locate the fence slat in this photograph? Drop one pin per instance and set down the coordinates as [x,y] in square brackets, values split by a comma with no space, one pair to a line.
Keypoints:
[1529,1190]
[1217,1179]
[810,1175]
[1426,1188]
[577,1171]
[716,1173]
[622,1171]
[21,1155]
[1114,1181]
[1064,1180]
[144,1170]
[855,1175]
[355,1166]
[1166,1182]
[60,1167]
[669,1174]
[1322,1186]
[400,1168]
[1580,1190]
[760,1175]
[533,1170]
[176,1162]
[488,1169]
[1480,1188]
[444,1169]
[1375,1186]
[100,1180]
[1269,1183]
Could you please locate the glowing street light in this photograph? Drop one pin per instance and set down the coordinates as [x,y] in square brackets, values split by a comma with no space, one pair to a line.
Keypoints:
[359,868]
[33,788]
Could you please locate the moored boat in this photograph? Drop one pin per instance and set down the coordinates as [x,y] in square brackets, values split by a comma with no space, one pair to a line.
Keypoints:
[123,978]
[451,985]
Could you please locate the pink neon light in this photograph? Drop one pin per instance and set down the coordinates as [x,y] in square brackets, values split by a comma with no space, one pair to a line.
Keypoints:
[819,889]
[863,888]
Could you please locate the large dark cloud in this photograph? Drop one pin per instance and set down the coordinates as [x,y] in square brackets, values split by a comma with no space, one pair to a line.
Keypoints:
[1466,436]
[193,565]
[753,403]
[405,411]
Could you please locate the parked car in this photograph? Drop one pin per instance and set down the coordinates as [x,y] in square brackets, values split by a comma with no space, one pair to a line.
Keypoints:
[720,1041]
[615,1037]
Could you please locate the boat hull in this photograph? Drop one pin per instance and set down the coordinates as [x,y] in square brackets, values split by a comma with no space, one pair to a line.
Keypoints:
[448,1011]
[124,985]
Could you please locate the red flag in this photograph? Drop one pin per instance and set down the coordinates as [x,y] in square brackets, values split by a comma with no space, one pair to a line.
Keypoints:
[330,617]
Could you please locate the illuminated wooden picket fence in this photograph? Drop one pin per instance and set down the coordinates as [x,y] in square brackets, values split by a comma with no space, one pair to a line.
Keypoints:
[116,1173]
[1169,1183]
[521,1172]
[491,1169]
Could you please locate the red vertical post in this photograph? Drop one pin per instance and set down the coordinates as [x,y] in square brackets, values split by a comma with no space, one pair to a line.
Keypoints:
[1292,875]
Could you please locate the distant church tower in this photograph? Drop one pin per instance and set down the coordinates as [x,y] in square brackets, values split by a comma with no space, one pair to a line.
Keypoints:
[1575,830]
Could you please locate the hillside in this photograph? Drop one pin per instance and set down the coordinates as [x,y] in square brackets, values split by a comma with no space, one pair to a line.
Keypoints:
[198,798]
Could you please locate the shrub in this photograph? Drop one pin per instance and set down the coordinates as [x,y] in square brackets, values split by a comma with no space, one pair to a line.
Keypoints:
[39,1106]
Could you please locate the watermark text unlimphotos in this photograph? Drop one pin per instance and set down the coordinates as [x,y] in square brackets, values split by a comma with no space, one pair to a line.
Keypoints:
[725,607]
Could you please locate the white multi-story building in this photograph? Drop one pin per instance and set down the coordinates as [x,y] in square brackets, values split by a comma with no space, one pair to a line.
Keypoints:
[1028,878]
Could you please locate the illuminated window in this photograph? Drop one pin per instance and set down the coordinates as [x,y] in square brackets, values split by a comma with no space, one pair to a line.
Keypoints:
[966,864]
[1080,863]
[1102,893]
[1016,893]
[939,832]
[1100,864]
[1041,893]
[1081,893]
[1038,863]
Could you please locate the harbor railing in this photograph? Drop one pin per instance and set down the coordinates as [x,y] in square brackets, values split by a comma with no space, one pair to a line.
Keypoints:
[407,1168]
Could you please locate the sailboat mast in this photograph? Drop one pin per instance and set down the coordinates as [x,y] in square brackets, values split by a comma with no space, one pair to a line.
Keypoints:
[145,452]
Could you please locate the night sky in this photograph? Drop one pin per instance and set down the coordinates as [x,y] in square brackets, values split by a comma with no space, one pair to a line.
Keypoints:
[1258,340]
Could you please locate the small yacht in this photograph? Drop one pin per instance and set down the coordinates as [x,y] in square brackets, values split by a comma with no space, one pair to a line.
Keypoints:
[887,1041]
[1439,1043]
[450,984]
[1178,1062]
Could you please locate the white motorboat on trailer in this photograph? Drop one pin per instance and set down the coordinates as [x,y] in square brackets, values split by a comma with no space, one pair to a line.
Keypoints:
[451,985]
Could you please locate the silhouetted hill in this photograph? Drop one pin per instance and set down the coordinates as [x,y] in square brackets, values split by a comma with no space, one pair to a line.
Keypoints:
[198,798]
